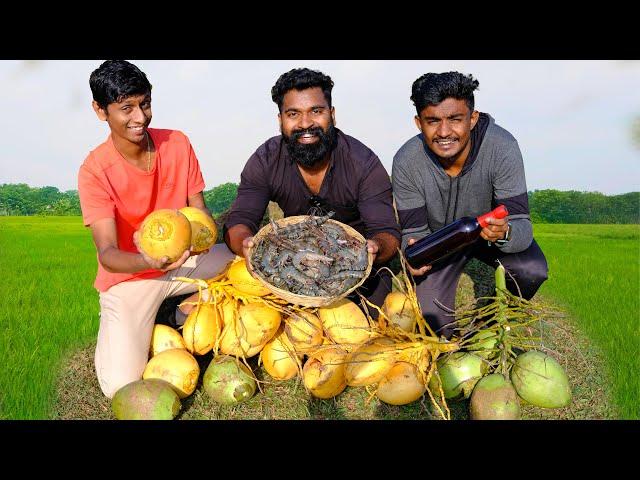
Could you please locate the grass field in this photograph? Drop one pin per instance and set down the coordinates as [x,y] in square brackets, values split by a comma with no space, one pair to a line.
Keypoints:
[49,307]
[49,315]
[595,275]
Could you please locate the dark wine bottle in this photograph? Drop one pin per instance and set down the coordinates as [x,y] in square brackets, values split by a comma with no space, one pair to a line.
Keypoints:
[450,238]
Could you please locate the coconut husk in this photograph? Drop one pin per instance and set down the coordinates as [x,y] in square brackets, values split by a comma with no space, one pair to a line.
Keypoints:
[304,300]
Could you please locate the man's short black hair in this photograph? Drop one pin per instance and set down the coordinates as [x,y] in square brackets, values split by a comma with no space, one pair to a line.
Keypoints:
[116,80]
[301,79]
[433,88]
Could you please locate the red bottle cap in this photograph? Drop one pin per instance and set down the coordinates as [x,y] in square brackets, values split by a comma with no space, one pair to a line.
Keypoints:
[499,212]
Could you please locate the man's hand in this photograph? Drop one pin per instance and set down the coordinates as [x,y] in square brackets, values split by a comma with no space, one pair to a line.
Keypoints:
[247,243]
[495,230]
[161,264]
[420,271]
[373,247]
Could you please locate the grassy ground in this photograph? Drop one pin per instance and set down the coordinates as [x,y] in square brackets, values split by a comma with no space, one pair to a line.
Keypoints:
[49,320]
[79,396]
[599,284]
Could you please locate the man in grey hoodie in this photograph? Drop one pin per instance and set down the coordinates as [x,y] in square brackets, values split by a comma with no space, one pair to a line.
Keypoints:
[462,164]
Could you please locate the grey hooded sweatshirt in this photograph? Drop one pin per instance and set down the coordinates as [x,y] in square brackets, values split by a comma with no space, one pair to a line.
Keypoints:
[428,199]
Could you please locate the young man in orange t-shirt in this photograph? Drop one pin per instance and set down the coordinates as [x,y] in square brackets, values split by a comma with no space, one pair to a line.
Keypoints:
[136,171]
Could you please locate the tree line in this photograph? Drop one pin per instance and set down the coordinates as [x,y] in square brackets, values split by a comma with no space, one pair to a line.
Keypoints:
[546,206]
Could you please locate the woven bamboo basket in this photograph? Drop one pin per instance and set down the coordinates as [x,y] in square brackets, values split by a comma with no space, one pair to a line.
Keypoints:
[304,300]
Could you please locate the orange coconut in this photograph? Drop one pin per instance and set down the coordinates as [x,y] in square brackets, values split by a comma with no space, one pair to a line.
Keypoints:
[165,233]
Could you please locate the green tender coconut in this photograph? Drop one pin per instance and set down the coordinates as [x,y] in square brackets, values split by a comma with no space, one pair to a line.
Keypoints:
[459,373]
[494,398]
[150,399]
[540,380]
[227,381]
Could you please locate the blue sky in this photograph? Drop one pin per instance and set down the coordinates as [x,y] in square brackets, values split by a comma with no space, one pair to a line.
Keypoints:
[572,119]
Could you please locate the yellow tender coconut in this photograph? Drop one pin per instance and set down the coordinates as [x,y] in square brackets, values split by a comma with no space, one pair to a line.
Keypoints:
[204,231]
[370,362]
[397,309]
[401,385]
[201,328]
[323,373]
[279,358]
[165,232]
[304,330]
[246,333]
[164,338]
[241,279]
[345,323]
[176,366]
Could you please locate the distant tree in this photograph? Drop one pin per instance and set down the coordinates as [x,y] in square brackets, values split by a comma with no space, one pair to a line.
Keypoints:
[67,204]
[635,132]
[554,206]
[220,198]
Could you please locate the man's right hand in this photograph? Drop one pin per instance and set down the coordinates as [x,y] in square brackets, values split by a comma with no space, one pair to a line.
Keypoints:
[420,271]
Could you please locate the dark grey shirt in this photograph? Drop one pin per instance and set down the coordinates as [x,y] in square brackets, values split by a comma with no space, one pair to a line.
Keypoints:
[356,186]
[427,198]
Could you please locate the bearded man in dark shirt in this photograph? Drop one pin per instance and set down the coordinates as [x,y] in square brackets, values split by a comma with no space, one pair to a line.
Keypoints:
[313,167]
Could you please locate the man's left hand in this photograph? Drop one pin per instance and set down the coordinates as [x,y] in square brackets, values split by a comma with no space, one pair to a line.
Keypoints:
[495,230]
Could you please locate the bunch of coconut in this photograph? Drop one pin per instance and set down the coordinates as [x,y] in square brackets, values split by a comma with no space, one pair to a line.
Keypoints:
[535,378]
[312,344]
[393,357]
[168,232]
[500,366]
[339,345]
[291,340]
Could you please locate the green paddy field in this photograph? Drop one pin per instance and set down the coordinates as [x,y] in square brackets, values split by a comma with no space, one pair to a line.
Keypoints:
[49,309]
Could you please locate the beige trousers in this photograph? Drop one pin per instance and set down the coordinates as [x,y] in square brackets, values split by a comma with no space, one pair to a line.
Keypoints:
[127,316]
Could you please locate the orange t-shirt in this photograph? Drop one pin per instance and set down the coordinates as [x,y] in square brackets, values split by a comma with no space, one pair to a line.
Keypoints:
[110,187]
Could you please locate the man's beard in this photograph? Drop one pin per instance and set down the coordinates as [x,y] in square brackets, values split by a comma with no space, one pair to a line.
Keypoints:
[309,154]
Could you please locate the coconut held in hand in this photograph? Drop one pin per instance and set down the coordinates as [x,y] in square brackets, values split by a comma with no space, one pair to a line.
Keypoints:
[204,232]
[165,232]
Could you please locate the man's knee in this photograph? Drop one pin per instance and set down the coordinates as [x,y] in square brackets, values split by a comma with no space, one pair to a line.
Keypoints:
[527,277]
[115,369]
[539,273]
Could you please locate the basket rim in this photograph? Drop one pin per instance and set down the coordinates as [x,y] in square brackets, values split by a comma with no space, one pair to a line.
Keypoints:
[304,300]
